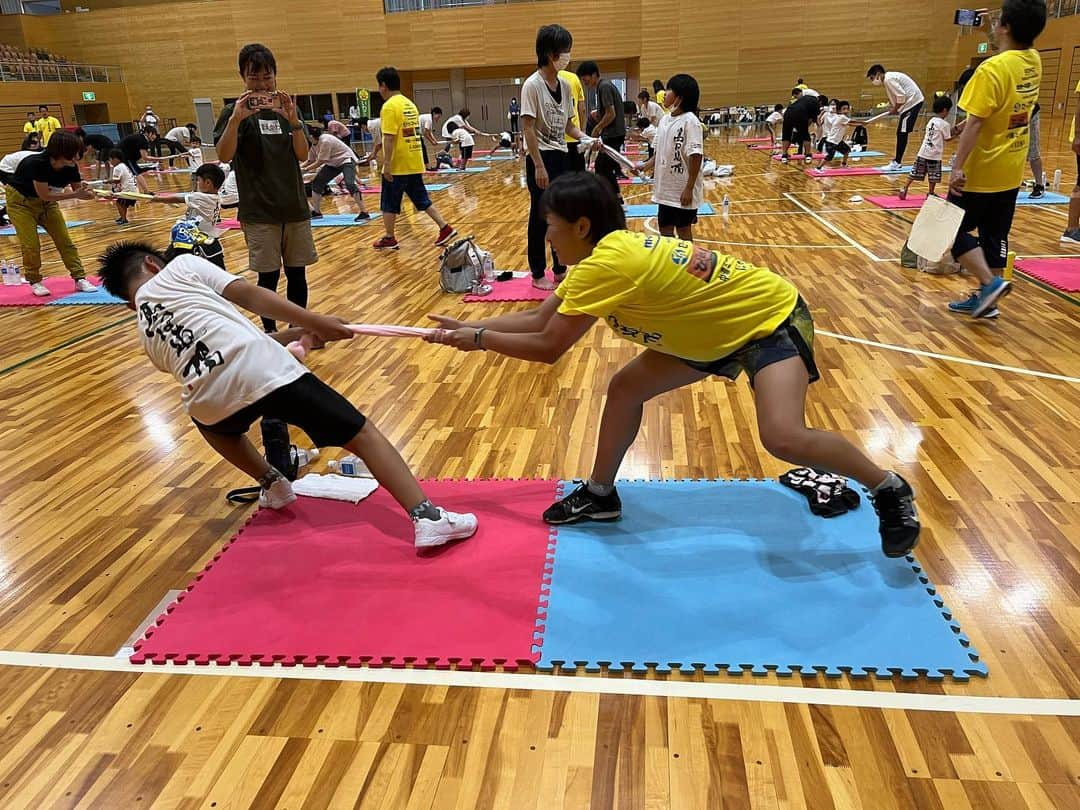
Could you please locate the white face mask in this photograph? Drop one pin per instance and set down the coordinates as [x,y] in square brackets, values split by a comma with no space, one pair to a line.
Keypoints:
[562,61]
[877,81]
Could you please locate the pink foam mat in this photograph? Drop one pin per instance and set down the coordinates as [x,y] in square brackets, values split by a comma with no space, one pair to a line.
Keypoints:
[229,224]
[21,296]
[337,584]
[1061,274]
[516,289]
[891,201]
[850,171]
[765,139]
[795,158]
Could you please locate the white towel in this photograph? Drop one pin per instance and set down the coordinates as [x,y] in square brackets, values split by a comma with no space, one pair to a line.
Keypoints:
[335,487]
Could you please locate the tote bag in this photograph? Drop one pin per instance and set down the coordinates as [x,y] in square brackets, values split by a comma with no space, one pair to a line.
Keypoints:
[935,228]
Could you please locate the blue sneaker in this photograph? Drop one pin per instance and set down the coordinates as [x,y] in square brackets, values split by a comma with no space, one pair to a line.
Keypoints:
[989,294]
[967,306]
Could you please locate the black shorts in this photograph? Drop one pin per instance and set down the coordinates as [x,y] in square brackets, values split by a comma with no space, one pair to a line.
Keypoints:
[992,214]
[126,203]
[793,338]
[796,129]
[309,404]
[909,119]
[423,149]
[136,169]
[575,158]
[211,251]
[402,184]
[831,149]
[466,152]
[668,216]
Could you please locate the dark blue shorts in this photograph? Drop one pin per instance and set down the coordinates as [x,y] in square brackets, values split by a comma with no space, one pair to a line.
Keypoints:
[411,184]
[793,338]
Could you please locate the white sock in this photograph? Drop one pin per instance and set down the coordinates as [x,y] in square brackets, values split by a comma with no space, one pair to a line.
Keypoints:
[600,489]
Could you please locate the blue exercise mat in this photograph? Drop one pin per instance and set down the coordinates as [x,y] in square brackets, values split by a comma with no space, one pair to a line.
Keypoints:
[437,186]
[9,230]
[493,157]
[650,210]
[343,220]
[88,298]
[865,154]
[1049,198]
[470,170]
[945,169]
[740,575]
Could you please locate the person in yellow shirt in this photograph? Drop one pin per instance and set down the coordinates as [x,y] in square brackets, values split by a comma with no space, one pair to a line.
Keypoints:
[575,158]
[30,126]
[46,124]
[659,92]
[696,313]
[989,164]
[1072,227]
[403,164]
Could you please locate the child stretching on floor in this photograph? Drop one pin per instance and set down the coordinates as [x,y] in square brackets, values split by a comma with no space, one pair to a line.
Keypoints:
[932,151]
[231,374]
[776,118]
[834,127]
[197,231]
[465,141]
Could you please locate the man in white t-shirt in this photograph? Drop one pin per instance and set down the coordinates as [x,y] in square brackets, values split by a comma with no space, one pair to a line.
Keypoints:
[461,120]
[231,374]
[428,122]
[177,140]
[932,152]
[329,157]
[905,99]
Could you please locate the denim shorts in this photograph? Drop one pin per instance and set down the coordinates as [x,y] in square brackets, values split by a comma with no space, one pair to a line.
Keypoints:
[793,338]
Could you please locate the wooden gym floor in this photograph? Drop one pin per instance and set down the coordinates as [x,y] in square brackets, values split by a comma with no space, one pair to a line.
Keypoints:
[110,500]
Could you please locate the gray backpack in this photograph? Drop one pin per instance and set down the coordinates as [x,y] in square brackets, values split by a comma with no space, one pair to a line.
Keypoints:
[465,268]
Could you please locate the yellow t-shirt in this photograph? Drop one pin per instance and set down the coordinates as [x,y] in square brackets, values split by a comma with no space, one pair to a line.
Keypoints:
[400,118]
[46,126]
[29,127]
[1003,91]
[1072,127]
[577,92]
[660,98]
[675,297]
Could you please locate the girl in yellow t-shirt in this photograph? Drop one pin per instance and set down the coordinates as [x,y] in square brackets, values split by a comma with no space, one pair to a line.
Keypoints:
[696,313]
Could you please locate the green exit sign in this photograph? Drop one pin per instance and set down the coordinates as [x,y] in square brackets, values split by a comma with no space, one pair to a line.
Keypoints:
[89,96]
[983,48]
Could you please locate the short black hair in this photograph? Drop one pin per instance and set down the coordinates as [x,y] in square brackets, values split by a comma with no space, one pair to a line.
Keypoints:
[942,104]
[436,110]
[44,107]
[657,86]
[196,139]
[63,144]
[116,153]
[800,80]
[778,108]
[255,57]
[574,195]
[588,68]
[843,103]
[644,95]
[390,77]
[30,113]
[686,88]
[1026,19]
[191,126]
[362,121]
[464,112]
[150,131]
[80,133]
[875,70]
[30,140]
[212,172]
[796,91]
[550,40]
[452,127]
[120,262]
[642,122]
[823,100]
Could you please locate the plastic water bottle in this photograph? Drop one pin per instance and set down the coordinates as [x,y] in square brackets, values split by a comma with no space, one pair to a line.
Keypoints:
[1057,179]
[305,457]
[726,205]
[353,467]
[4,272]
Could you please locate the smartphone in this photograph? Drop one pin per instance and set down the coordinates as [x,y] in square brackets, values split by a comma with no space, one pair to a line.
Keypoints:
[267,100]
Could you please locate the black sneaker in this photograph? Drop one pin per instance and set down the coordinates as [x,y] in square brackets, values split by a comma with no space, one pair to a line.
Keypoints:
[362,216]
[316,214]
[898,522]
[1037,192]
[584,505]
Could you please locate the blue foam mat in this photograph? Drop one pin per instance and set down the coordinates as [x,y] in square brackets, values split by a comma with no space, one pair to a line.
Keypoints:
[650,210]
[88,298]
[1050,198]
[9,230]
[470,170]
[737,575]
[343,220]
[493,157]
[945,169]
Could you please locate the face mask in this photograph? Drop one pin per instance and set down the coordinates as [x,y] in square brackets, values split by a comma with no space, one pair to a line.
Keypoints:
[562,61]
[876,81]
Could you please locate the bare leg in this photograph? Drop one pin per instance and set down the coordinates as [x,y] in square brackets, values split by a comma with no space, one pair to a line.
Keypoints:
[387,465]
[647,375]
[1037,170]
[142,183]
[238,451]
[667,230]
[1074,209]
[388,222]
[686,232]
[433,212]
[780,401]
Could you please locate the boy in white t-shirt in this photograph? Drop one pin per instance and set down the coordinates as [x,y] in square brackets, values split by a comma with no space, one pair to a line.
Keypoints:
[678,185]
[465,142]
[507,140]
[645,133]
[932,152]
[197,231]
[834,129]
[231,374]
[123,180]
[775,119]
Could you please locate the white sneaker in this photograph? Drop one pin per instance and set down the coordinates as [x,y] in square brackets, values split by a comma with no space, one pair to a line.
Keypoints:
[278,496]
[40,289]
[82,285]
[449,526]
[893,166]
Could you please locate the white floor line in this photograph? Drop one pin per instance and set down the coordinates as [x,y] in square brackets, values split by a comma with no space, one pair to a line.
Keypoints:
[762,693]
[949,358]
[1057,211]
[834,229]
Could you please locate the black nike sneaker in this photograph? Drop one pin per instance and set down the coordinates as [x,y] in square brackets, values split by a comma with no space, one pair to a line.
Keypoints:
[584,505]
[898,522]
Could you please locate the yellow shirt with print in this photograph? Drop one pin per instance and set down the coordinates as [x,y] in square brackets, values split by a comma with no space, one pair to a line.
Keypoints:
[577,92]
[1003,91]
[1072,127]
[30,127]
[46,126]
[677,298]
[400,118]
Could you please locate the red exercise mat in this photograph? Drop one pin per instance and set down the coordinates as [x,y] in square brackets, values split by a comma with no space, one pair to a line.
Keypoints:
[892,202]
[516,289]
[20,295]
[341,584]
[229,225]
[1061,274]
[765,139]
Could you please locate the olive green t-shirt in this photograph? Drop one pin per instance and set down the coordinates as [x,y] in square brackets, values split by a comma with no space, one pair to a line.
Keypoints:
[268,174]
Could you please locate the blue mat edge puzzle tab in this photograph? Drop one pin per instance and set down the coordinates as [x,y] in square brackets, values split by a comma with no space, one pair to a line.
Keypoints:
[974,666]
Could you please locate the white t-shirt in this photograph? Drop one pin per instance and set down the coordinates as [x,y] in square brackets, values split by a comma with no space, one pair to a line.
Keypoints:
[330,150]
[775,118]
[181,135]
[834,125]
[9,163]
[196,157]
[938,130]
[649,134]
[651,110]
[374,126]
[205,209]
[425,123]
[505,137]
[222,359]
[462,137]
[150,120]
[123,179]
[453,119]
[809,91]
[901,89]
[228,193]
[550,114]
[677,138]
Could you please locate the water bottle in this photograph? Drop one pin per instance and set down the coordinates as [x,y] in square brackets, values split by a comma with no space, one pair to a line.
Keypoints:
[1057,179]
[5,272]
[1043,181]
[726,205]
[353,467]
[306,457]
